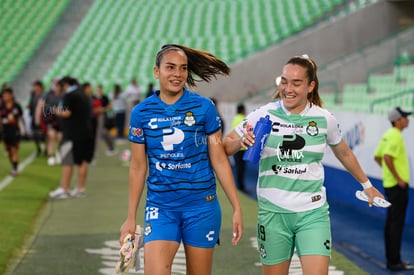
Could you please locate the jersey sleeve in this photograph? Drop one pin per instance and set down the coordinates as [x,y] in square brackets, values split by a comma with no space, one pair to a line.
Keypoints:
[334,135]
[249,122]
[136,131]
[213,120]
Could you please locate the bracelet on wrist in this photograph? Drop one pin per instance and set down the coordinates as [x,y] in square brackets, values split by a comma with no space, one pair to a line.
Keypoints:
[366,184]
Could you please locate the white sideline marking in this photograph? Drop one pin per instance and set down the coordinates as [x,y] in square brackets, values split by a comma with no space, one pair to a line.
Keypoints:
[8,179]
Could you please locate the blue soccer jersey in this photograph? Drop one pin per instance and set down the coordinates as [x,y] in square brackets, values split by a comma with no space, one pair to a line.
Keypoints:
[175,137]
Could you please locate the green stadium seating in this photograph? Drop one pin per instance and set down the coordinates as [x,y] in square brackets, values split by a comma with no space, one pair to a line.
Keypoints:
[381,92]
[118,39]
[23,26]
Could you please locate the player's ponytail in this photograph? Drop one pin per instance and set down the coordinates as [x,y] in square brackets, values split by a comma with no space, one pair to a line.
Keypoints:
[200,63]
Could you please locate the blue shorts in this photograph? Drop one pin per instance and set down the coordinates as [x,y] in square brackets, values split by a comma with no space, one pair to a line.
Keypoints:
[198,226]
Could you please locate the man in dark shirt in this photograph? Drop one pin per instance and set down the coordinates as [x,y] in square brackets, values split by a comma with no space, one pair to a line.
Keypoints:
[77,142]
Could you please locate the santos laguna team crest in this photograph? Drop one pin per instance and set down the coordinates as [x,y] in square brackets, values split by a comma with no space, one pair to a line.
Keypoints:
[189,119]
[312,129]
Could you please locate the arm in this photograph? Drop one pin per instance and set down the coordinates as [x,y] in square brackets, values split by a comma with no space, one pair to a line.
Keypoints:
[221,166]
[63,113]
[137,174]
[233,143]
[38,113]
[378,160]
[345,155]
[390,164]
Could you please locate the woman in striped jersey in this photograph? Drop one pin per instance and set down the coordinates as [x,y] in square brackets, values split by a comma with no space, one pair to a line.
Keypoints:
[293,211]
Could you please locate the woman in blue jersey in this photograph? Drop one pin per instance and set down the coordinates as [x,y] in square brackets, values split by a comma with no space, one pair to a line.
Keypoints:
[293,212]
[176,134]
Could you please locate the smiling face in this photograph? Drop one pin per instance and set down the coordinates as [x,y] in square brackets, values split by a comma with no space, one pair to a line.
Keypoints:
[295,87]
[172,72]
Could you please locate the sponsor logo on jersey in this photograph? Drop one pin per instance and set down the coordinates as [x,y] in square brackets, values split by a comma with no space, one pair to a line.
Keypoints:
[291,148]
[290,170]
[174,121]
[160,166]
[312,129]
[171,137]
[171,155]
[276,125]
[151,123]
[189,119]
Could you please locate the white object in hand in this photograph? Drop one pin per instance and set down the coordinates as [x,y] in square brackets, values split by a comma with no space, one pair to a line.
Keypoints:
[379,202]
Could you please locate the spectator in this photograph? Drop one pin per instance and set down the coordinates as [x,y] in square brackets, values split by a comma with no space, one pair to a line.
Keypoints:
[11,116]
[240,164]
[45,114]
[77,143]
[107,121]
[133,93]
[36,94]
[120,109]
[96,109]
[391,155]
[151,90]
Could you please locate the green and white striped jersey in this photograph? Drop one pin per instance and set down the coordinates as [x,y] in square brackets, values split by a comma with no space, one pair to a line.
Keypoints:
[291,175]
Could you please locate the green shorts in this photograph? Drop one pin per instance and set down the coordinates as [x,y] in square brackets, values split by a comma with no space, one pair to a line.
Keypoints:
[278,234]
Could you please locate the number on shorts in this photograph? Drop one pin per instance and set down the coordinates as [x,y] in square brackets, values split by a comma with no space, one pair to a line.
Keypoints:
[261,232]
[151,213]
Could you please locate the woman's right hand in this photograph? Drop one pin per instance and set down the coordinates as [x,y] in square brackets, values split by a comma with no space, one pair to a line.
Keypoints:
[128,227]
[247,140]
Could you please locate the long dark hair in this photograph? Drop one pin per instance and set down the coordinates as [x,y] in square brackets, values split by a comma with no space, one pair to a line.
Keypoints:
[311,70]
[200,63]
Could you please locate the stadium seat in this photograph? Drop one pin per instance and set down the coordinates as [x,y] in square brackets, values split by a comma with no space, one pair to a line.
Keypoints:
[118,39]
[23,26]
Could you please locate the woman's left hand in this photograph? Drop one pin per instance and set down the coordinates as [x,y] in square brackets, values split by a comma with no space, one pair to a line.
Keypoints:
[372,192]
[237,226]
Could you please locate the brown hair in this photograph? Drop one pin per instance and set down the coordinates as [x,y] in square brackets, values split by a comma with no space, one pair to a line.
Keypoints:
[311,70]
[200,63]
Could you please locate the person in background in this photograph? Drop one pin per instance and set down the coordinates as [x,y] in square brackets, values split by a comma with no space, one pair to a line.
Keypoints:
[45,115]
[119,106]
[11,115]
[77,145]
[240,164]
[96,109]
[36,94]
[106,122]
[151,90]
[391,155]
[293,210]
[133,93]
[177,134]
